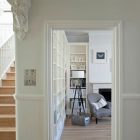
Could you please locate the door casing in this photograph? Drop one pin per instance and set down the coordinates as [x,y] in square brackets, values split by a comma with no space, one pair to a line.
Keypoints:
[116,27]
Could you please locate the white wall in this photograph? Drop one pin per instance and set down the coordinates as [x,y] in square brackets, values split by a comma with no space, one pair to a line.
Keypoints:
[29,54]
[100,72]
[6,26]
[30,118]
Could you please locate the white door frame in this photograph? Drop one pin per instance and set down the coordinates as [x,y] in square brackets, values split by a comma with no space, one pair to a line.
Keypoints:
[116,26]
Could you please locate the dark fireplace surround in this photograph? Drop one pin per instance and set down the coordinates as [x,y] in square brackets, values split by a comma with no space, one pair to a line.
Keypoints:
[106,92]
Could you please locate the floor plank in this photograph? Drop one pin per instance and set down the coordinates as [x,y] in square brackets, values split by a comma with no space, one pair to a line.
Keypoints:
[100,131]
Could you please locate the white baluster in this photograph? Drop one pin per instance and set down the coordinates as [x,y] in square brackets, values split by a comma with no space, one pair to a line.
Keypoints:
[7,55]
[6,30]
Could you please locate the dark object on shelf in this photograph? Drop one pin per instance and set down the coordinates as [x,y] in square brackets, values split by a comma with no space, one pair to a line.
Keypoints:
[102,112]
[77,74]
[106,92]
[78,81]
[81,118]
[75,87]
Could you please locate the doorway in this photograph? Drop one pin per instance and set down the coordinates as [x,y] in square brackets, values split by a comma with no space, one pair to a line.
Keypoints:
[84,26]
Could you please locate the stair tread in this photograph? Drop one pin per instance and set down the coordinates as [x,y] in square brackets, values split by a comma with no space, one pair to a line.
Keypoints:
[10,72]
[7,87]
[7,105]
[8,79]
[7,129]
[6,95]
[7,116]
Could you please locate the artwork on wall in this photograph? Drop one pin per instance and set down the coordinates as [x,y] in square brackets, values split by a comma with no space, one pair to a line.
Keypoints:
[30,77]
[99,56]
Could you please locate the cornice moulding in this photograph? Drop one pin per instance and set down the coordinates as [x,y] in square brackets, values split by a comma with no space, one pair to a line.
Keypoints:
[20,10]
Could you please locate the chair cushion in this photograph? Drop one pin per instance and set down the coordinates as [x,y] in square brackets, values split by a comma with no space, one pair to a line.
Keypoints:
[108,105]
[101,103]
[103,112]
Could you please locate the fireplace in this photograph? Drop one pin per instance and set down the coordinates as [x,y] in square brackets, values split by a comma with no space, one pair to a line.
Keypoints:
[106,92]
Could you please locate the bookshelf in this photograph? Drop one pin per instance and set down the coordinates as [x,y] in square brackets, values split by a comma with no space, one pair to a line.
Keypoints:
[59,81]
[78,70]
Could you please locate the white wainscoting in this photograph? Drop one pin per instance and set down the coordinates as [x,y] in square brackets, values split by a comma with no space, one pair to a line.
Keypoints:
[29,116]
[130,116]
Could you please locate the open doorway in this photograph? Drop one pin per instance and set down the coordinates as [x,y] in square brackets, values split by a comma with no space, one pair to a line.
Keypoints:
[58,76]
[82,59]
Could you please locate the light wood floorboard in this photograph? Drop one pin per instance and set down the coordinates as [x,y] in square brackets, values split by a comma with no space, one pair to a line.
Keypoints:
[100,131]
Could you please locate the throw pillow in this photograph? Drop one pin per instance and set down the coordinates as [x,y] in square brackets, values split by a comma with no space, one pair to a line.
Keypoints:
[101,103]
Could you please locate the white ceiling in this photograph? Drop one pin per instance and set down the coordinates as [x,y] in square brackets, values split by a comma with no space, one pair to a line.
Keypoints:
[77,36]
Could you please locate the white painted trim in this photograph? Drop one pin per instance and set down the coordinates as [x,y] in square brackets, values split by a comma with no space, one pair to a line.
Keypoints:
[79,24]
[126,97]
[31,97]
[116,26]
[78,43]
[47,82]
[116,83]
[97,83]
[131,96]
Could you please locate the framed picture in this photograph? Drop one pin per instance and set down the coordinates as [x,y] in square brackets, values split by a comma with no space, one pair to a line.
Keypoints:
[30,77]
[100,56]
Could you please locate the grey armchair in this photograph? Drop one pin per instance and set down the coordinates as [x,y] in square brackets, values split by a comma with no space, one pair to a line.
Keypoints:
[102,112]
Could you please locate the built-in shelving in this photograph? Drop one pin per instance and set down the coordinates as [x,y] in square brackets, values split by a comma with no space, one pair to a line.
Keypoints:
[59,66]
[78,70]
[77,65]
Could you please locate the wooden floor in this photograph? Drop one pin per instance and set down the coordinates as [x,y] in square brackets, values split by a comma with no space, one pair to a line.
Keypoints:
[100,131]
